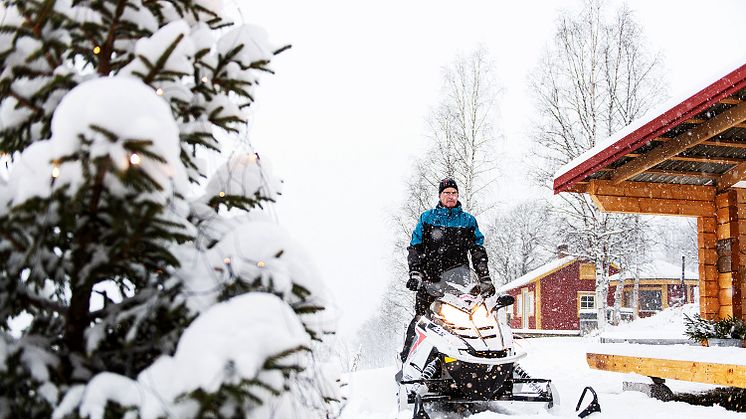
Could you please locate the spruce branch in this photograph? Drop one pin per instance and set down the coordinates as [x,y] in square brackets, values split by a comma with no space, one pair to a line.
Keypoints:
[26,102]
[162,60]
[281,49]
[107,49]
[39,302]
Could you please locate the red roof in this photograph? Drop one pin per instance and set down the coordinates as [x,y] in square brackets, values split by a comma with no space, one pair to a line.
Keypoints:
[697,103]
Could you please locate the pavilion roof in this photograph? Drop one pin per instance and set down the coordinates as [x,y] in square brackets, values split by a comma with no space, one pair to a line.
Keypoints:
[700,140]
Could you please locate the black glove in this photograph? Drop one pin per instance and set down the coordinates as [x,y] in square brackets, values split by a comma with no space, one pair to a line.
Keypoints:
[485,286]
[415,279]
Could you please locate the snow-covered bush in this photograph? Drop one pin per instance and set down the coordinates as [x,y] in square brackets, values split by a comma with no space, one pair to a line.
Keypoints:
[121,291]
[700,329]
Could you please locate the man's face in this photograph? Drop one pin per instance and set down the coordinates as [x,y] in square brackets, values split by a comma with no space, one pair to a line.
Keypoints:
[449,197]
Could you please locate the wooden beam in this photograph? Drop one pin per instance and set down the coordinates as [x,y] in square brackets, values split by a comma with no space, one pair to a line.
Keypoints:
[730,101]
[702,175]
[650,206]
[681,142]
[731,177]
[653,198]
[710,142]
[717,160]
[702,372]
[579,187]
[652,190]
[697,121]
[661,172]
[724,144]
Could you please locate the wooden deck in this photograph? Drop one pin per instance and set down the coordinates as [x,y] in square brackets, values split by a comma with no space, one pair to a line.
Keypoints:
[702,372]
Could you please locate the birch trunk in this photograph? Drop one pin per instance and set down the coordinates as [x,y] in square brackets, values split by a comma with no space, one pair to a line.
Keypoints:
[618,299]
[602,292]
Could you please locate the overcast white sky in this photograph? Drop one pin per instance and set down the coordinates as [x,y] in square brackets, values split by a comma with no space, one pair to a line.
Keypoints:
[344,116]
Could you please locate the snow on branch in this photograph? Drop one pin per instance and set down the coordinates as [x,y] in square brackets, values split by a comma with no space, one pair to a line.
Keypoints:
[128,285]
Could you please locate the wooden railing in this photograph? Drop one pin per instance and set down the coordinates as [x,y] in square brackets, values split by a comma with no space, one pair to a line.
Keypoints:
[697,371]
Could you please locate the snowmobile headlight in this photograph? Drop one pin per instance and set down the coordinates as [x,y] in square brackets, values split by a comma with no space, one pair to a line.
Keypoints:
[482,317]
[451,314]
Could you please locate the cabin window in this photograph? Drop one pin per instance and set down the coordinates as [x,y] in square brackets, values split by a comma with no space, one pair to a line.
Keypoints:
[651,300]
[586,302]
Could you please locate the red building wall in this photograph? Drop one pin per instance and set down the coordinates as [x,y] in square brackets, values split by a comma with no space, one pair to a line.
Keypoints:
[557,299]
[517,320]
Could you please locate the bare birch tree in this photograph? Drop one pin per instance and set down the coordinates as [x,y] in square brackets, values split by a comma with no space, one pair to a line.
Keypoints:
[461,142]
[595,79]
[462,130]
[633,255]
[519,240]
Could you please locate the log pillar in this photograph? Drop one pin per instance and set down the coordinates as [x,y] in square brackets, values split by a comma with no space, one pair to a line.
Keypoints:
[731,259]
[709,302]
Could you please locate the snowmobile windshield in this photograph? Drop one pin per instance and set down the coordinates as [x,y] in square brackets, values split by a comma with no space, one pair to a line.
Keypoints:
[456,281]
[458,301]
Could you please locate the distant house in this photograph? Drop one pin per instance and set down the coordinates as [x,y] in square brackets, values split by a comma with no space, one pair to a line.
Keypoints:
[558,296]
[660,287]
[561,295]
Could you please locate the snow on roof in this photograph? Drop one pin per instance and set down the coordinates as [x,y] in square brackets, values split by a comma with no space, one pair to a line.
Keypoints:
[539,272]
[660,269]
[696,86]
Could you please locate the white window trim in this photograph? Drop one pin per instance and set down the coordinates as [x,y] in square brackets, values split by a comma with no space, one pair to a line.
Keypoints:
[582,294]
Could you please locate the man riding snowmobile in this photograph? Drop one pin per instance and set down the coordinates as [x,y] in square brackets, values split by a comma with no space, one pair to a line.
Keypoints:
[442,239]
[463,356]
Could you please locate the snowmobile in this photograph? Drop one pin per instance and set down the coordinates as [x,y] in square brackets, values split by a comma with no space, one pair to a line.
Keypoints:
[462,356]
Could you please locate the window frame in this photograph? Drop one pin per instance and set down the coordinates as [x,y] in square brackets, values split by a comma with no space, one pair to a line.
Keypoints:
[581,294]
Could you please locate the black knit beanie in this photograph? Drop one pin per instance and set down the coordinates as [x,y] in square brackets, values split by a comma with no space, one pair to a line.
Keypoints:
[447,183]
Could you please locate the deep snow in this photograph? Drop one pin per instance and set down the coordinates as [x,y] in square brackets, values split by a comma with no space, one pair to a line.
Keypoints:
[372,393]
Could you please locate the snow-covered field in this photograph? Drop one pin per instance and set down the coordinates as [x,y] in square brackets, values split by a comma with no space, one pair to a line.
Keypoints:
[372,393]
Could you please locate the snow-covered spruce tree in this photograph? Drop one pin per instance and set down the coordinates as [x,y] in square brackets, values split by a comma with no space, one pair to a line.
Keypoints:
[121,291]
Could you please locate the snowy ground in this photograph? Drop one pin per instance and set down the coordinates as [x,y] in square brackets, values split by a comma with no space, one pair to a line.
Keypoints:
[668,324]
[372,393]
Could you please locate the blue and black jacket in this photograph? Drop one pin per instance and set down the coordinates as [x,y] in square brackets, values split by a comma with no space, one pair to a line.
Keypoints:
[442,239]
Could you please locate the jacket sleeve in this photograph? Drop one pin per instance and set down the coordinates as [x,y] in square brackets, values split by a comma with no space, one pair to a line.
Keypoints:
[479,254]
[415,250]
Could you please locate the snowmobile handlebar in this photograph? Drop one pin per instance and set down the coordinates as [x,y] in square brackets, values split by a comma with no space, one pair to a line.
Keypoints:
[504,301]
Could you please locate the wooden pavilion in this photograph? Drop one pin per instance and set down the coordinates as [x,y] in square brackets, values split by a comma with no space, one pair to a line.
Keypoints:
[688,161]
[685,161]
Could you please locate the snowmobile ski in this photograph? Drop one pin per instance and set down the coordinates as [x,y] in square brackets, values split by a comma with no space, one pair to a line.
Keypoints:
[419,409]
[592,407]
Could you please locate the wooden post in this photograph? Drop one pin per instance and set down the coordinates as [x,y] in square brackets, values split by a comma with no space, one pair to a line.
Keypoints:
[731,264]
[709,304]
[739,249]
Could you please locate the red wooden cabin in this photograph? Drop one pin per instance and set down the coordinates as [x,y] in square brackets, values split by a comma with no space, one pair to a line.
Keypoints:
[558,296]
